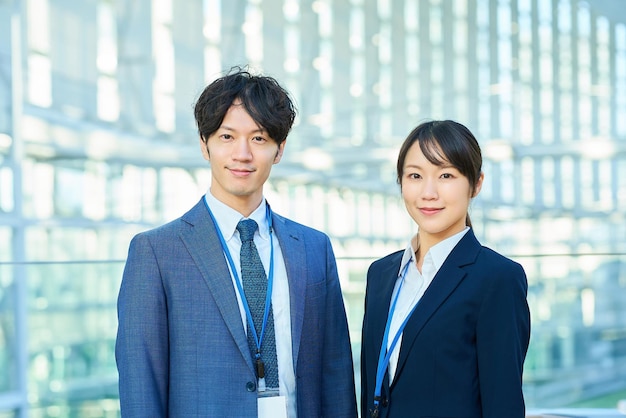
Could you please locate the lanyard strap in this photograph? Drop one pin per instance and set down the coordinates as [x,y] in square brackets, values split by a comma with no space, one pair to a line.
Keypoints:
[385,354]
[258,340]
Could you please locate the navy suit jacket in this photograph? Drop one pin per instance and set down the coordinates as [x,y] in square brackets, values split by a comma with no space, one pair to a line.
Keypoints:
[463,349]
[181,348]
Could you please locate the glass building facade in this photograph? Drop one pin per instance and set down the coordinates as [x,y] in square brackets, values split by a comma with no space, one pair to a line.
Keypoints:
[97,142]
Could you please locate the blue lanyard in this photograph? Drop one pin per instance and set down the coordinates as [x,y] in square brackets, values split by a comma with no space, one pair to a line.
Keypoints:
[270,277]
[384,354]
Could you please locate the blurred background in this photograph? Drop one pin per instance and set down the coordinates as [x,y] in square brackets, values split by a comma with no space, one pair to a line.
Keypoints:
[97,143]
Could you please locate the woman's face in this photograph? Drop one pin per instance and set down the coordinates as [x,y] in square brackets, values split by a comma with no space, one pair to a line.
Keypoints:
[436,197]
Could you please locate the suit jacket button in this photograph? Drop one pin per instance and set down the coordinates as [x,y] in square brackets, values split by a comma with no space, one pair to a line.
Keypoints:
[385,402]
[250,386]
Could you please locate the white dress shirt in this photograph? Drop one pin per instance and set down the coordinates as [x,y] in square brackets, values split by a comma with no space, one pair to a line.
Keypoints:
[415,284]
[227,219]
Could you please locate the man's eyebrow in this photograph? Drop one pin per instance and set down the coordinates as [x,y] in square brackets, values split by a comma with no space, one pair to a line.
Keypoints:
[228,128]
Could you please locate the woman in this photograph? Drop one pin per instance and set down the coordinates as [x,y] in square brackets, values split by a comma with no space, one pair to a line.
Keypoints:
[450,315]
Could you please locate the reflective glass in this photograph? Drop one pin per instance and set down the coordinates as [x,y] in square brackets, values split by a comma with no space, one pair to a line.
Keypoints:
[8,345]
[71,338]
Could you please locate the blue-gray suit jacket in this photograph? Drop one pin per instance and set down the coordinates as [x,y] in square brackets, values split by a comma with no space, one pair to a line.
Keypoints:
[181,348]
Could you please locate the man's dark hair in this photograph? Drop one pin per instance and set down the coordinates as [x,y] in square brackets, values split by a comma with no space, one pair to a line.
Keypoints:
[264,99]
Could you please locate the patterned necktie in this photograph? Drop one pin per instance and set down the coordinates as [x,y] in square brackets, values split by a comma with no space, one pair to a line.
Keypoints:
[255,289]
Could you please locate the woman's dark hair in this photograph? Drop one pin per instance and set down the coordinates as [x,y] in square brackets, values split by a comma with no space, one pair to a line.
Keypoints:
[445,141]
[264,99]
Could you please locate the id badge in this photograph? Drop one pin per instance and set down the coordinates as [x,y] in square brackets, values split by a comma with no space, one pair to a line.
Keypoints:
[272,405]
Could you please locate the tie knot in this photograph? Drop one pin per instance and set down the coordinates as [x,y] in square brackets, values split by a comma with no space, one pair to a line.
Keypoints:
[246,228]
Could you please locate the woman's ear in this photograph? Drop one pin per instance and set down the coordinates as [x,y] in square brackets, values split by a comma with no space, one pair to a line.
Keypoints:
[478,185]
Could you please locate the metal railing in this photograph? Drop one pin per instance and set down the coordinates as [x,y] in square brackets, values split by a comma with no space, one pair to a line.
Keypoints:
[576,359]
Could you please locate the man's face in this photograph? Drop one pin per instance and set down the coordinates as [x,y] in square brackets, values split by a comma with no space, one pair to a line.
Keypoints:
[241,154]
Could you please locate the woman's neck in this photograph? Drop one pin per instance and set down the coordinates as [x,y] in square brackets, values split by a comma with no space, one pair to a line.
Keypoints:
[420,251]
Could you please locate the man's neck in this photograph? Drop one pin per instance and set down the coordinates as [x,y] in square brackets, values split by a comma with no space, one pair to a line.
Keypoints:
[242,204]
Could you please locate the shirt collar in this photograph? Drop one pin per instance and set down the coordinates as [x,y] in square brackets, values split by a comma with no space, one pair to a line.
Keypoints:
[438,253]
[227,218]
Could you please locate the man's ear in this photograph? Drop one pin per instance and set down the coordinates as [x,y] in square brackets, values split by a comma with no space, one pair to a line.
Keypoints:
[279,152]
[204,147]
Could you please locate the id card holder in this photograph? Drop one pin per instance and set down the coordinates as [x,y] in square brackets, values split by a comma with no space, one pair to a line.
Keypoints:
[271,404]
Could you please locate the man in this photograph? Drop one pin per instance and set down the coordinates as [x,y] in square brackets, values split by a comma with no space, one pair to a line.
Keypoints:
[185,345]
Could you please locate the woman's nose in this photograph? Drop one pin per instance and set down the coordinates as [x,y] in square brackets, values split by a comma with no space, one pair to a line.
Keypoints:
[430,189]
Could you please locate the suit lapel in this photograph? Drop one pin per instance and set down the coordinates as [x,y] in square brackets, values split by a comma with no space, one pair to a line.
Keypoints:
[379,303]
[444,283]
[203,244]
[380,298]
[294,255]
